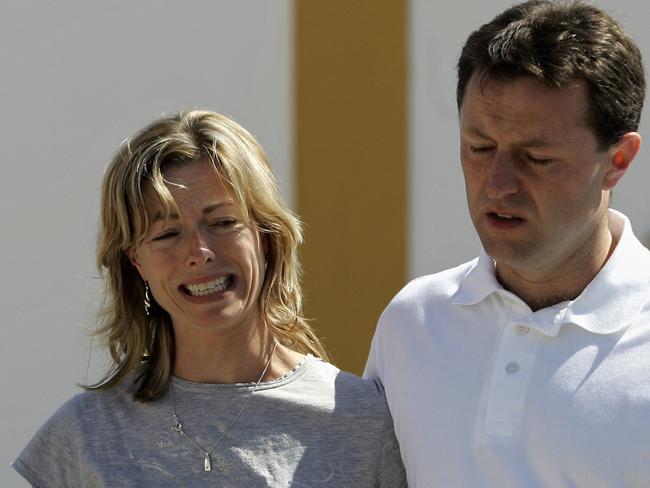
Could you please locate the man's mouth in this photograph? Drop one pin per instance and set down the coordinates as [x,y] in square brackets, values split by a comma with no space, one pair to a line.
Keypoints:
[504,216]
[209,287]
[504,221]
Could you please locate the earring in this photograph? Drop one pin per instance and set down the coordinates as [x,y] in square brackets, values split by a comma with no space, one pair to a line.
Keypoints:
[147,299]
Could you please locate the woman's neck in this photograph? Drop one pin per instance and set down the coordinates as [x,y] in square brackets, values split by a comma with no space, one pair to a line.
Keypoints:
[209,357]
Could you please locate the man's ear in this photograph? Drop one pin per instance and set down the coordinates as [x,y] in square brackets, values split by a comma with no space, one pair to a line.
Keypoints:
[133,257]
[623,154]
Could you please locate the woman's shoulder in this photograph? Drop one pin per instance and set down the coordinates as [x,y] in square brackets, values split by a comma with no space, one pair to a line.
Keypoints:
[82,408]
[85,409]
[53,452]
[90,419]
[62,421]
[347,391]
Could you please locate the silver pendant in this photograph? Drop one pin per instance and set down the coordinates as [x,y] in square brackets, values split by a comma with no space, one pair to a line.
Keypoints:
[177,427]
[207,465]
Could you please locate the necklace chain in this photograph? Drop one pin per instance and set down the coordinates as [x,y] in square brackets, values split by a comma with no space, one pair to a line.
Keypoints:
[178,428]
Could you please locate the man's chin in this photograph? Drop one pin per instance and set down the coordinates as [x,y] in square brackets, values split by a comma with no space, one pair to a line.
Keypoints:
[513,255]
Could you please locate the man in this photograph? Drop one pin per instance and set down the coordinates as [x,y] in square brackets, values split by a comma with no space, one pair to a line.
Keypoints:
[530,365]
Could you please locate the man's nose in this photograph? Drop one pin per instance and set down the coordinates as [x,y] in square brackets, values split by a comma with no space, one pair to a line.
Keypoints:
[502,179]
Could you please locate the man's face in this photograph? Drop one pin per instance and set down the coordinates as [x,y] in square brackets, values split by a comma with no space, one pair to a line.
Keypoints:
[535,179]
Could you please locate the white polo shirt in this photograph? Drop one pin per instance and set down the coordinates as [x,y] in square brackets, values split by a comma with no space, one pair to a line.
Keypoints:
[484,392]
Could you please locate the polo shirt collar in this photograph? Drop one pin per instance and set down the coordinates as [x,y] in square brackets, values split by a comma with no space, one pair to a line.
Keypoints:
[478,282]
[608,304]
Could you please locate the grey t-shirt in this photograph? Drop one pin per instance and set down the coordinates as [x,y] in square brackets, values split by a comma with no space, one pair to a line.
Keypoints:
[316,426]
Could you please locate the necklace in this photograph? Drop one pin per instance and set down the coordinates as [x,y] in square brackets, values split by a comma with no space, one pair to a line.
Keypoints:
[178,428]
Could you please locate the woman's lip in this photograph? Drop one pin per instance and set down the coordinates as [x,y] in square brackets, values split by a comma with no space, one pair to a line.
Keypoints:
[230,283]
[204,279]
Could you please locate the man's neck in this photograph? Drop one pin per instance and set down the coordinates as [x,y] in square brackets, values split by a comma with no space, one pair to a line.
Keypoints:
[546,286]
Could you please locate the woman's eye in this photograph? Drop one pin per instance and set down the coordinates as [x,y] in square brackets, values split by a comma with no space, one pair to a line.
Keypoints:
[165,235]
[223,224]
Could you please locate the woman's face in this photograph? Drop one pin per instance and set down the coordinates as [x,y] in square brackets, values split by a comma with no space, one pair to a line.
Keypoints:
[205,265]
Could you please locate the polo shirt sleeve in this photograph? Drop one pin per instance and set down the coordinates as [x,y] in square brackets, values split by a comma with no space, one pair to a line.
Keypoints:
[371,370]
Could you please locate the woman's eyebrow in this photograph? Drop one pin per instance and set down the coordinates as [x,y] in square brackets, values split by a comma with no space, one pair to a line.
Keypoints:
[161,215]
[216,206]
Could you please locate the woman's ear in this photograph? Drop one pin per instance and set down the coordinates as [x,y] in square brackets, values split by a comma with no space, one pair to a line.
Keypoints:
[265,245]
[132,254]
[624,153]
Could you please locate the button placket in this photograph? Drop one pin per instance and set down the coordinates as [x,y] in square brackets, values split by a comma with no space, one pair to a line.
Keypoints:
[509,380]
[512,367]
[523,330]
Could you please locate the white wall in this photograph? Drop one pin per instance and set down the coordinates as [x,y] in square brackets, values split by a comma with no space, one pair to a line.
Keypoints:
[78,77]
[441,231]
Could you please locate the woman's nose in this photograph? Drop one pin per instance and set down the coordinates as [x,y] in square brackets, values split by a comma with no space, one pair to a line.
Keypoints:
[199,250]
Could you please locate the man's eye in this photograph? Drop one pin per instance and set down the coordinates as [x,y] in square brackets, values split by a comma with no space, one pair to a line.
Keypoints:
[480,149]
[540,161]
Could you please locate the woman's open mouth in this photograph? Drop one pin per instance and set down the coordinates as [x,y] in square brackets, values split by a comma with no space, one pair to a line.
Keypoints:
[209,287]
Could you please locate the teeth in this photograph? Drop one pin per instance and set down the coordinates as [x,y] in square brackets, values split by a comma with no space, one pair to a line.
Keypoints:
[505,216]
[209,287]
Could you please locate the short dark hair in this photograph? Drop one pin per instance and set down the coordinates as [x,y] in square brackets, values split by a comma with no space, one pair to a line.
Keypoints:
[557,42]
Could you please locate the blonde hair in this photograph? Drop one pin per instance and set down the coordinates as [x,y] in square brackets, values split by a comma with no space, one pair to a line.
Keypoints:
[146,343]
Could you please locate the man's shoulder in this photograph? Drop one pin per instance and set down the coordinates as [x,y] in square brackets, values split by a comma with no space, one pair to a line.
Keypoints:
[426,296]
[435,287]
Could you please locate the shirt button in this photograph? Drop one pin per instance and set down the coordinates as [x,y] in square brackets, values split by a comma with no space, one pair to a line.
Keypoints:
[522,330]
[512,368]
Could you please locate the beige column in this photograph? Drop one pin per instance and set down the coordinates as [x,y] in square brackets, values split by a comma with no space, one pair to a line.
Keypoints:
[350,161]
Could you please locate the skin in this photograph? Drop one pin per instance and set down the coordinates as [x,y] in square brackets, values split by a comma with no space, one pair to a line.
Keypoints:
[220,337]
[537,184]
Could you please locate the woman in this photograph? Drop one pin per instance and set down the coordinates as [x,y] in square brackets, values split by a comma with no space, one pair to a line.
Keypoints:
[217,379]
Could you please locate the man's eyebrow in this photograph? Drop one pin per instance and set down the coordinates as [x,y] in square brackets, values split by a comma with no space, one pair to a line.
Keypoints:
[474,130]
[533,142]
[160,215]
